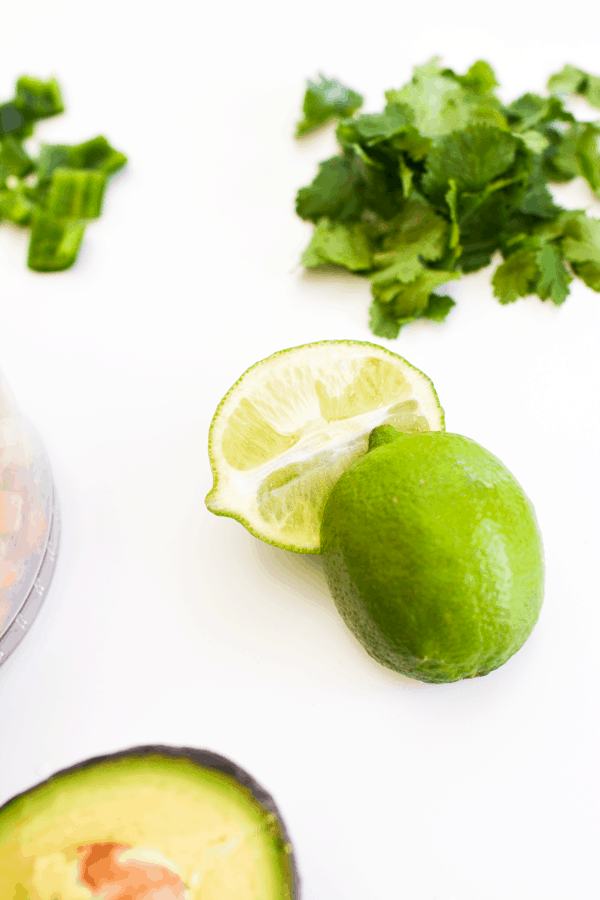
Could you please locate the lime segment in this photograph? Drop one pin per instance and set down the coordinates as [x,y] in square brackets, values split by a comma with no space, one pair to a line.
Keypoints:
[294,422]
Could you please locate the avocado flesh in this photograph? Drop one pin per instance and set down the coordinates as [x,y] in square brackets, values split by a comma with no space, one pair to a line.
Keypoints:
[198,822]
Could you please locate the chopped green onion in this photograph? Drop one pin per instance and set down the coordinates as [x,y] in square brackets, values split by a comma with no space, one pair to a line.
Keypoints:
[14,159]
[38,99]
[16,206]
[60,191]
[75,194]
[34,99]
[12,121]
[95,154]
[52,156]
[54,243]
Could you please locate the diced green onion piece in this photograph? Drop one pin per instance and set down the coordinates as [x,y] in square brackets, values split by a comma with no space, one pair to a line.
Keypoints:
[34,99]
[16,207]
[68,180]
[54,243]
[94,155]
[38,99]
[14,158]
[12,120]
[75,194]
[51,157]
[97,154]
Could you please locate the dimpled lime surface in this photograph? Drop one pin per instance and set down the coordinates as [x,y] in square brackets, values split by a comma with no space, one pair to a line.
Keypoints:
[434,558]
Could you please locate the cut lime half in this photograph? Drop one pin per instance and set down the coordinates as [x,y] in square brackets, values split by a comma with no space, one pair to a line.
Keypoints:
[294,422]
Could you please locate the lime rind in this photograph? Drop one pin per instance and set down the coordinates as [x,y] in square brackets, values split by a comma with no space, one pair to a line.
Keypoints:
[433,555]
[301,391]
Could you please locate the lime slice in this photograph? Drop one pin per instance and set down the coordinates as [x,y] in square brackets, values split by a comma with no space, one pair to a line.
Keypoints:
[294,422]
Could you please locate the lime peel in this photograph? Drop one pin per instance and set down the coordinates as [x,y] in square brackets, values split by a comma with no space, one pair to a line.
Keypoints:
[433,556]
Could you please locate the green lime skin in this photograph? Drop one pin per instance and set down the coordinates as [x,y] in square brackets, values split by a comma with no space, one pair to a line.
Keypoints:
[433,555]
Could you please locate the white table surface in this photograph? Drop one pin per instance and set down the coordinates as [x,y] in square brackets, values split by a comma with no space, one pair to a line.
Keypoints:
[166,624]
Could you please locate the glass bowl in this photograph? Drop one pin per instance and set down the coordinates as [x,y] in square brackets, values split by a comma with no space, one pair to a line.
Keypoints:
[29,524]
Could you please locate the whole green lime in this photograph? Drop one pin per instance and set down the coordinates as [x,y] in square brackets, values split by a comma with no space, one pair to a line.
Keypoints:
[433,555]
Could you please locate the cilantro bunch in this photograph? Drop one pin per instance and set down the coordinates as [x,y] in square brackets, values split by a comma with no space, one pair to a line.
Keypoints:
[442,179]
[60,191]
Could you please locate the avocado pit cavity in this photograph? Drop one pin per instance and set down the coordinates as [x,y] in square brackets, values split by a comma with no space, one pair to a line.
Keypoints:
[109,876]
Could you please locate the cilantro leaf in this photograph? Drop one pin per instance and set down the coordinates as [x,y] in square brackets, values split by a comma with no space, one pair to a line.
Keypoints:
[516,277]
[409,300]
[480,78]
[533,111]
[373,128]
[438,307]
[569,80]
[414,144]
[482,219]
[446,175]
[406,175]
[441,104]
[588,157]
[324,100]
[554,278]
[340,245]
[589,272]
[581,246]
[396,269]
[551,170]
[348,186]
[561,160]
[383,322]
[473,157]
[592,91]
[537,199]
[416,234]
[417,226]
[451,198]
[576,153]
[337,192]
[572,80]
[535,140]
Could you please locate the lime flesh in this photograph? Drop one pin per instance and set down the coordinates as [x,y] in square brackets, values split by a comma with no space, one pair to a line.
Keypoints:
[294,422]
[433,556]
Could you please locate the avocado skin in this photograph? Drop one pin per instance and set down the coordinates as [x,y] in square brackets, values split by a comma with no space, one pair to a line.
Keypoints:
[204,758]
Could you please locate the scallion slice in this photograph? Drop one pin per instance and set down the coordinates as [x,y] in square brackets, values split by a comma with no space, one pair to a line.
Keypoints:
[12,121]
[58,193]
[16,207]
[14,158]
[54,243]
[38,99]
[75,194]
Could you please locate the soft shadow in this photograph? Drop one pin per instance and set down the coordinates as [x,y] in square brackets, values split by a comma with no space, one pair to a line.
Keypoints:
[288,569]
[329,274]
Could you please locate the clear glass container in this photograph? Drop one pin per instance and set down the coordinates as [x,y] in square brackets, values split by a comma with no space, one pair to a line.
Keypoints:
[29,524]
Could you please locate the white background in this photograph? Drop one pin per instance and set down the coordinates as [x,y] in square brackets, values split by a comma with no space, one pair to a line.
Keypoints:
[166,624]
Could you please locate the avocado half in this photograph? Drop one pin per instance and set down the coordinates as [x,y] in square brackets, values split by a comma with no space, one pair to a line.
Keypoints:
[150,823]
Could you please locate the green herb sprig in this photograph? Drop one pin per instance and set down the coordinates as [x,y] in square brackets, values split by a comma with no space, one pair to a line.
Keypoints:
[442,179]
[60,191]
